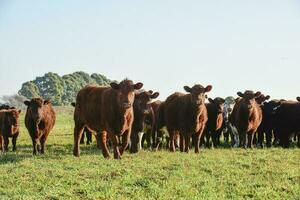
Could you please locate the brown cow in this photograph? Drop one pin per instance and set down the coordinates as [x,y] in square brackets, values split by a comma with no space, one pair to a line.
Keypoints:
[108,110]
[9,127]
[246,117]
[143,117]
[186,114]
[39,121]
[215,109]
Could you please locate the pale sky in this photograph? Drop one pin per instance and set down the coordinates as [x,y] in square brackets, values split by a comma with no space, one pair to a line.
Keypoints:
[233,45]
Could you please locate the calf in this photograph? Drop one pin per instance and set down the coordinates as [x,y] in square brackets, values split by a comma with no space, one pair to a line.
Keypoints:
[186,114]
[9,127]
[142,110]
[39,121]
[246,117]
[108,110]
[215,109]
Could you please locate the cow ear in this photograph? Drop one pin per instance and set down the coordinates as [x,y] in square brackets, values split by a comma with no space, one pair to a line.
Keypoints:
[208,88]
[187,88]
[257,94]
[155,95]
[298,99]
[240,94]
[210,100]
[46,102]
[222,100]
[138,86]
[267,97]
[114,86]
[27,103]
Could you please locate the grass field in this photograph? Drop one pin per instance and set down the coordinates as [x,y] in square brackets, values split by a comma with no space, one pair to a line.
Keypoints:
[214,174]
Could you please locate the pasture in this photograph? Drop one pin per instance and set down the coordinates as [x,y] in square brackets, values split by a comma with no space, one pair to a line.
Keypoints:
[222,173]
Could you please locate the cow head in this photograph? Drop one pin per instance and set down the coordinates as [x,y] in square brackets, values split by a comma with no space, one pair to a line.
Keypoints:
[12,120]
[298,99]
[143,99]
[125,90]
[34,109]
[261,99]
[249,97]
[219,104]
[198,93]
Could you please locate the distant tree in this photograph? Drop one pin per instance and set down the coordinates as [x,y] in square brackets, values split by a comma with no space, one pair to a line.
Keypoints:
[61,90]
[29,90]
[14,100]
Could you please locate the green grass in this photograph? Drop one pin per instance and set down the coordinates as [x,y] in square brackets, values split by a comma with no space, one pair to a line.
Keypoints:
[214,174]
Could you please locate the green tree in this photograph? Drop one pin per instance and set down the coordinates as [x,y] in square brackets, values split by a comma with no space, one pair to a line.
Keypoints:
[61,90]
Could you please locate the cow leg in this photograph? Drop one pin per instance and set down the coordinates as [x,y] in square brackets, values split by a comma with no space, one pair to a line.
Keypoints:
[43,142]
[103,143]
[153,137]
[214,138]
[14,141]
[78,129]
[89,137]
[207,137]
[187,141]
[140,137]
[6,142]
[250,140]
[182,142]
[269,138]
[115,142]
[172,140]
[82,137]
[148,139]
[243,139]
[125,141]
[35,145]
[197,142]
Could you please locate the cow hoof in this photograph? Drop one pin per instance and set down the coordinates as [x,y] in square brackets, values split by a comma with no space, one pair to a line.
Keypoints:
[76,153]
[117,157]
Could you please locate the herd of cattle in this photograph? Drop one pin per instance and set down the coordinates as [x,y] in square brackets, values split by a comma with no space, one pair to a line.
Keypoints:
[124,115]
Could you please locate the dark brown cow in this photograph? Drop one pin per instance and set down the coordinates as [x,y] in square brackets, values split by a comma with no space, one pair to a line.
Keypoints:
[9,127]
[108,110]
[186,114]
[287,121]
[142,111]
[215,109]
[39,121]
[246,117]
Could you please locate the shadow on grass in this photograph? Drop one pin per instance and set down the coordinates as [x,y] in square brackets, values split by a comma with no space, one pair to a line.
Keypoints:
[52,151]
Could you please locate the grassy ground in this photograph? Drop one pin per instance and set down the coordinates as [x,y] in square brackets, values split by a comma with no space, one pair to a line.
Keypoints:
[214,174]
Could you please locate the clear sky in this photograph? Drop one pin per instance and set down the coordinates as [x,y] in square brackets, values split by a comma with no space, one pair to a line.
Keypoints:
[233,45]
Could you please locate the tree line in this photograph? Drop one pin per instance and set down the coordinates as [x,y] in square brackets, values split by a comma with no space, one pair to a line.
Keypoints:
[61,90]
